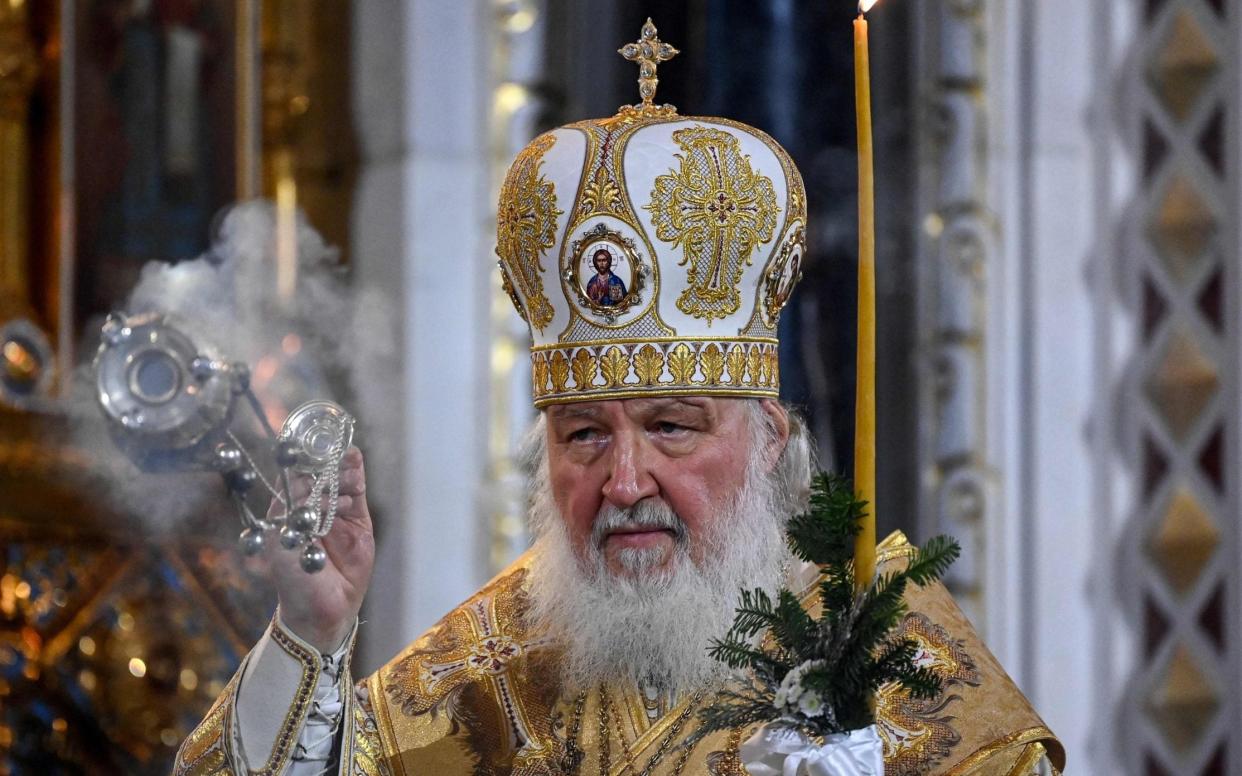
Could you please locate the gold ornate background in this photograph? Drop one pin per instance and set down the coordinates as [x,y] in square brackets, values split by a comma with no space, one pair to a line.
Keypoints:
[114,637]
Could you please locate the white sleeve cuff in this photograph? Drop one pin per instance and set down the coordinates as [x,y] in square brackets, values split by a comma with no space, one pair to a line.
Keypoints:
[290,703]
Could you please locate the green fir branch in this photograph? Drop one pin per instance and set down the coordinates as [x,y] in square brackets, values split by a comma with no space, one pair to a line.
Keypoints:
[792,627]
[739,653]
[824,535]
[846,654]
[731,710]
[754,613]
[932,560]
[893,662]
[836,592]
[920,682]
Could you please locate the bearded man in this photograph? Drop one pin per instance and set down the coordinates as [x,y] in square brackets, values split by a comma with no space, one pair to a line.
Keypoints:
[663,469]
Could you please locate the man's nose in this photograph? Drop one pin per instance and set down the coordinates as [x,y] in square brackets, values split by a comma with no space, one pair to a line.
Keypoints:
[630,479]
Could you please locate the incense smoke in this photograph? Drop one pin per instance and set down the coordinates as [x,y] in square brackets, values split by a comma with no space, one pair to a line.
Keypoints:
[330,340]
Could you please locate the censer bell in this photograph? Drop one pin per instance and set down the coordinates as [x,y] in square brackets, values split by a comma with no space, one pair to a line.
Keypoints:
[312,442]
[314,435]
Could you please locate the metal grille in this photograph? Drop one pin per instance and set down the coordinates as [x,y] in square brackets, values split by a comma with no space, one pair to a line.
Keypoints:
[1180,560]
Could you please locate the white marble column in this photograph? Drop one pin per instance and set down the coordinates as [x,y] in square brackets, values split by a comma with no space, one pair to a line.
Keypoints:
[423,238]
[1056,331]
[1018,188]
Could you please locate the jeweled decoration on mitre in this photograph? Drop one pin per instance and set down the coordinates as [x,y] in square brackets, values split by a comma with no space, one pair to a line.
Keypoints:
[651,253]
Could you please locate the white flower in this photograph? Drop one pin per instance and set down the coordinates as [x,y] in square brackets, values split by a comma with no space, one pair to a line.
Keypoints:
[791,695]
[790,691]
[811,704]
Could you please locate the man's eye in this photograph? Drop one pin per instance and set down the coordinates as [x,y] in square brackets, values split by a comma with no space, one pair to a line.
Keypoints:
[583,435]
[666,427]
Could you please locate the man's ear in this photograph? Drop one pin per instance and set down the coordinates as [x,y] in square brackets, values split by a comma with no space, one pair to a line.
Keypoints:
[778,416]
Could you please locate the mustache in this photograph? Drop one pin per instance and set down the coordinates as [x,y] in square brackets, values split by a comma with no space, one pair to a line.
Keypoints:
[648,514]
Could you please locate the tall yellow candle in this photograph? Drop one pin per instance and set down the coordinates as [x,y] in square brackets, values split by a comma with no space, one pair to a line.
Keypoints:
[864,398]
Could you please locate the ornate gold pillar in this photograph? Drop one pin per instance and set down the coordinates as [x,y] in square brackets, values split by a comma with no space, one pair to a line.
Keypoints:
[245,50]
[284,104]
[19,66]
[308,157]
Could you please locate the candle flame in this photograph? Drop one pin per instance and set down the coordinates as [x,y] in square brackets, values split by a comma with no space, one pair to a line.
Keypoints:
[866,5]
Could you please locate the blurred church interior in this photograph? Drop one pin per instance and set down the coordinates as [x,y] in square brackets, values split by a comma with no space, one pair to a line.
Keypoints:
[1059,332]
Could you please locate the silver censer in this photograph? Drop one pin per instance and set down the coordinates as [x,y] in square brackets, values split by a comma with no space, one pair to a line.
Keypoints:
[169,401]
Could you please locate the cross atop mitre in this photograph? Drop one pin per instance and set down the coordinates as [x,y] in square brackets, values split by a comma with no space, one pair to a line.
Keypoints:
[648,51]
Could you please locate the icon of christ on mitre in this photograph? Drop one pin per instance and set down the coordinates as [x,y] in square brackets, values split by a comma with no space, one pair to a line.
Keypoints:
[664,469]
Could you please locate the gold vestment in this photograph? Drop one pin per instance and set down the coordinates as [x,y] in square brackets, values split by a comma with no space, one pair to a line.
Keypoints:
[479,694]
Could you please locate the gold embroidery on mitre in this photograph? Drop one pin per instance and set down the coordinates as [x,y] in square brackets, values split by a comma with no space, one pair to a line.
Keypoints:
[756,376]
[584,367]
[717,209]
[735,362]
[539,376]
[526,227]
[917,733]
[560,372]
[614,366]
[648,364]
[681,364]
[653,369]
[507,287]
[600,194]
[713,364]
[603,192]
[782,274]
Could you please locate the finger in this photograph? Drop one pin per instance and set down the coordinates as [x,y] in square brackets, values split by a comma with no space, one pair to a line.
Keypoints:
[351,459]
[285,570]
[353,509]
[299,487]
[353,482]
[351,547]
[344,504]
[358,511]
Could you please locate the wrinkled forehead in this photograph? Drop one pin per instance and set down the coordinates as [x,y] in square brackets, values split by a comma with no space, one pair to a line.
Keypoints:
[712,409]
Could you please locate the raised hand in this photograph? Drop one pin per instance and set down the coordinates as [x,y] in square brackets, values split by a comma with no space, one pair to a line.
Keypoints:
[321,607]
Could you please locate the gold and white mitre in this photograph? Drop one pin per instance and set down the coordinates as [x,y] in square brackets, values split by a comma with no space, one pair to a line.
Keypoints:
[651,253]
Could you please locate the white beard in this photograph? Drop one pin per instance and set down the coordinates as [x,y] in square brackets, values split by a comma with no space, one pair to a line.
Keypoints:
[652,627]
